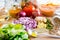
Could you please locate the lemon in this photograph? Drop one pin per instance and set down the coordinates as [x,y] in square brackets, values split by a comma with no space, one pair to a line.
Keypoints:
[34,34]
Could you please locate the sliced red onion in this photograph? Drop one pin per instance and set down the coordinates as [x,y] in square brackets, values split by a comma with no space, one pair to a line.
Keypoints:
[27,22]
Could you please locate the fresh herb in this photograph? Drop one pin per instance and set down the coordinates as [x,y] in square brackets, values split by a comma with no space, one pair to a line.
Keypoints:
[49,25]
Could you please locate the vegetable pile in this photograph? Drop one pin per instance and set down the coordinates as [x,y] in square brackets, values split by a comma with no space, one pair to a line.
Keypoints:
[44,24]
[13,32]
[29,23]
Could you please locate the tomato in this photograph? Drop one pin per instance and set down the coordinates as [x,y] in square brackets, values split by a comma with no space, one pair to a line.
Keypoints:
[29,9]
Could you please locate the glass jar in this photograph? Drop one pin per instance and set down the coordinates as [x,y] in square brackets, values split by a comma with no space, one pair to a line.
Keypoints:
[13,11]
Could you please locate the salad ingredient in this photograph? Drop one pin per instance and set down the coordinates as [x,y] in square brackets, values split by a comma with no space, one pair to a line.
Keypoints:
[21,14]
[13,32]
[49,25]
[32,33]
[41,22]
[29,9]
[41,25]
[44,24]
[40,19]
[29,23]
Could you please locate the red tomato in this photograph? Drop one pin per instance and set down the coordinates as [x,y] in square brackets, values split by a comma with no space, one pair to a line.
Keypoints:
[29,9]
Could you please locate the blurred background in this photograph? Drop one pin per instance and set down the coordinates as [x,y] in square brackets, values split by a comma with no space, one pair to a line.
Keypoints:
[8,3]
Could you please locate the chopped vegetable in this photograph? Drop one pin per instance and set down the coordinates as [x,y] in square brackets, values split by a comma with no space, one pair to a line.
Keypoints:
[13,32]
[49,25]
[27,22]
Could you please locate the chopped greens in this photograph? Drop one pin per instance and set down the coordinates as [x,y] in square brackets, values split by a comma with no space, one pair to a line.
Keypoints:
[49,25]
[13,32]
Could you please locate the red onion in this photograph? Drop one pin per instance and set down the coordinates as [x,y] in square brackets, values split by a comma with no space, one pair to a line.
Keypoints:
[21,14]
[27,22]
